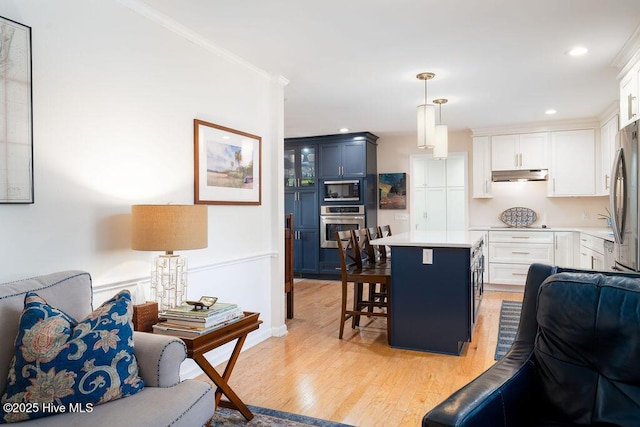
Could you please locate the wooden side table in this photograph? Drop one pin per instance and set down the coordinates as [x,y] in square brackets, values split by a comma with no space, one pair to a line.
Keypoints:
[198,346]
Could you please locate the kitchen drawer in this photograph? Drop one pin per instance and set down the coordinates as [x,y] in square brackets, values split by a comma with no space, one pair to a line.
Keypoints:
[592,242]
[521,236]
[519,253]
[508,274]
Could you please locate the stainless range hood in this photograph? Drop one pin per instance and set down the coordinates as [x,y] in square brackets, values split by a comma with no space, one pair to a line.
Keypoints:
[520,175]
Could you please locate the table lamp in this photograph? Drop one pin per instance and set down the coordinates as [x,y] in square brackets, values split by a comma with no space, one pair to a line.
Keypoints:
[169,228]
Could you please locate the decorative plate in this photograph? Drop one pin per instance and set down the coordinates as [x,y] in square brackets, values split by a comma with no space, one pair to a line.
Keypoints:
[518,217]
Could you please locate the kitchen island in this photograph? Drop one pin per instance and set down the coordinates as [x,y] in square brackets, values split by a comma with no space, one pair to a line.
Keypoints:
[436,289]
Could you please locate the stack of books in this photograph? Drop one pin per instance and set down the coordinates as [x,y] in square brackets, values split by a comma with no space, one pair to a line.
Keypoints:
[187,322]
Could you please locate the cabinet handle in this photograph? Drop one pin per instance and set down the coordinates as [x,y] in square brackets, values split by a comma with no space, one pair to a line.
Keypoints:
[516,161]
[606,181]
[520,237]
[520,253]
[518,274]
[630,112]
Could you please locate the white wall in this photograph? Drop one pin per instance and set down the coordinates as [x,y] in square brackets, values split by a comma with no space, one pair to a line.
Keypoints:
[114,95]
[393,156]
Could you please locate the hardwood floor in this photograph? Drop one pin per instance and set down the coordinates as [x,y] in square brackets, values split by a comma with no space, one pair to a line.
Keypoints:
[358,380]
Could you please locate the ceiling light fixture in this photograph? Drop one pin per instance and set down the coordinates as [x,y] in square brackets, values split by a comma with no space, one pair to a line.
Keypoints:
[550,112]
[578,51]
[426,117]
[344,130]
[441,149]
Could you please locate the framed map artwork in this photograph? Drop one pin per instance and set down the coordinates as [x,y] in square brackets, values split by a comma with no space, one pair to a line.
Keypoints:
[16,127]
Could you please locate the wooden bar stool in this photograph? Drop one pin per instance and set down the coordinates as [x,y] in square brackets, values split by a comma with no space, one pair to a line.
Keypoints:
[379,251]
[385,231]
[354,271]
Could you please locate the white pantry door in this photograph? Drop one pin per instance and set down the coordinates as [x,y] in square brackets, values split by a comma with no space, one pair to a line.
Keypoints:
[438,193]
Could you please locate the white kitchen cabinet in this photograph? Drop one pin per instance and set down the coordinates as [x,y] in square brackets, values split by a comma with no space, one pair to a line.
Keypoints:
[572,170]
[429,204]
[523,151]
[591,252]
[629,91]
[481,167]
[438,198]
[608,146]
[511,252]
[564,243]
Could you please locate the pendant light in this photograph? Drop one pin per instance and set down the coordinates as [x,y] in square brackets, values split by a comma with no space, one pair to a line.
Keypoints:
[440,151]
[426,117]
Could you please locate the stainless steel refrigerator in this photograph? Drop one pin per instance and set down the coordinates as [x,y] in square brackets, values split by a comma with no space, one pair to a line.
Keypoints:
[624,201]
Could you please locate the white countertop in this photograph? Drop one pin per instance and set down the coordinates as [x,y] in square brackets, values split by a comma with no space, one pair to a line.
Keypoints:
[432,239]
[601,232]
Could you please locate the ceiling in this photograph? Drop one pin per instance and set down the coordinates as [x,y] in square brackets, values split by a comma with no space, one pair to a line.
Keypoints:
[353,63]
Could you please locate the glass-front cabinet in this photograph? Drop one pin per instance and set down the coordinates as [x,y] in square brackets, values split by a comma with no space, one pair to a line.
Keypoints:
[301,200]
[300,166]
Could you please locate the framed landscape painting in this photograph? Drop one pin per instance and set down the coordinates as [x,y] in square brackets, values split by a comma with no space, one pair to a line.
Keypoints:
[16,137]
[392,188]
[228,165]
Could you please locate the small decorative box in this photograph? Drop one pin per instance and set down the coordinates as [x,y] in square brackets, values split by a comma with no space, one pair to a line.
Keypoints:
[145,316]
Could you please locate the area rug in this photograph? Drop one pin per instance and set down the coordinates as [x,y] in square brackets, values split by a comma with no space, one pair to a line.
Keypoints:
[264,417]
[508,327]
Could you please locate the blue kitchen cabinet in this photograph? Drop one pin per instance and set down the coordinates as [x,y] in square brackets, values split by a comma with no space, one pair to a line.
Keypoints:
[342,160]
[308,162]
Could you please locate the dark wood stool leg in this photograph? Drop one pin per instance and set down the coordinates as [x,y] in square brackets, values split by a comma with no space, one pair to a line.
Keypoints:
[357,303]
[344,308]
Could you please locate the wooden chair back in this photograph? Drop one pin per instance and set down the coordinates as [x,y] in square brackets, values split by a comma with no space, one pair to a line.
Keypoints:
[348,253]
[365,251]
[384,231]
[379,251]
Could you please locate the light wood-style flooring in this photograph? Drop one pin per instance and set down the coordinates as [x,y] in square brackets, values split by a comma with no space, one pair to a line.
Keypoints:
[358,380]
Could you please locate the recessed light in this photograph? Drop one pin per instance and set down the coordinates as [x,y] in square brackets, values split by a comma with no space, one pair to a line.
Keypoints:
[550,111]
[344,130]
[578,51]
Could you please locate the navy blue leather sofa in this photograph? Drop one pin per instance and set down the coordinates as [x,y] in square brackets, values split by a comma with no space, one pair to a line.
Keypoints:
[575,359]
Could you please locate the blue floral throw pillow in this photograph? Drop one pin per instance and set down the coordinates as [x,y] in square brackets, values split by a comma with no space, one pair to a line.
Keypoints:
[61,365]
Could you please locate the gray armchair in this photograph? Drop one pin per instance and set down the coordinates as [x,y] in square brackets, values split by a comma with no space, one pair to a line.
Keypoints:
[165,400]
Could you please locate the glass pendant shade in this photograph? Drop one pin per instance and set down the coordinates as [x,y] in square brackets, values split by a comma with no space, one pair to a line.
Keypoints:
[426,125]
[441,149]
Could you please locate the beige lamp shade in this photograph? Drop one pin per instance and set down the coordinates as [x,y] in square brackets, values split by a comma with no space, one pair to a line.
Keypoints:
[169,227]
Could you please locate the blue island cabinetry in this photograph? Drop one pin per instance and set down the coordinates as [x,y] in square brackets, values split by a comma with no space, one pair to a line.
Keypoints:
[436,289]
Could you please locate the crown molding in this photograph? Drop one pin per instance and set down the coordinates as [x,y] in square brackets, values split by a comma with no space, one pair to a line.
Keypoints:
[628,55]
[172,25]
[608,113]
[559,125]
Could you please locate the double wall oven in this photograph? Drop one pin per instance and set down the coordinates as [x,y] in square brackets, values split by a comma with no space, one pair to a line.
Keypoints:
[339,218]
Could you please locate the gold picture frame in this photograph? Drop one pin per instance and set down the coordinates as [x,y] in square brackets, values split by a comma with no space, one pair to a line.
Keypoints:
[227,165]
